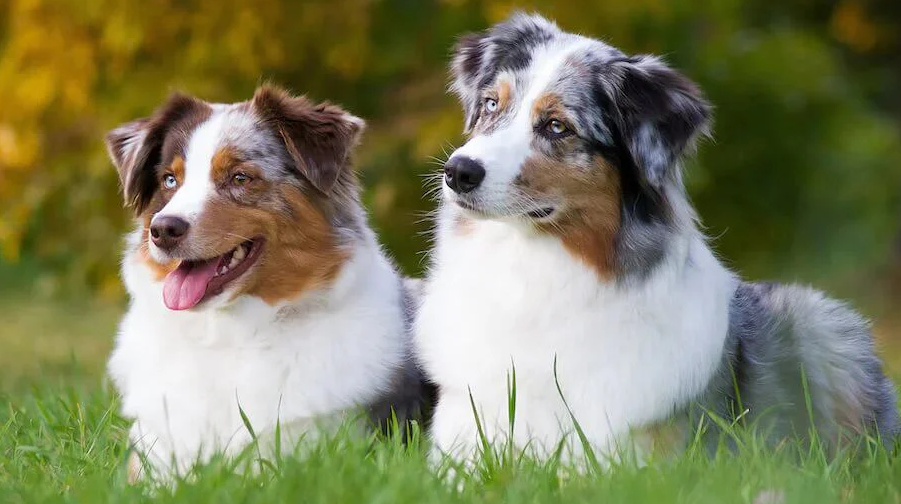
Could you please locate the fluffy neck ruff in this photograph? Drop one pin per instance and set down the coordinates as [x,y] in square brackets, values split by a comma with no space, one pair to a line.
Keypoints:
[502,296]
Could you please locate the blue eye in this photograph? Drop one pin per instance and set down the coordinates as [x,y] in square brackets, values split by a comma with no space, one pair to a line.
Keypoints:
[490,104]
[169,181]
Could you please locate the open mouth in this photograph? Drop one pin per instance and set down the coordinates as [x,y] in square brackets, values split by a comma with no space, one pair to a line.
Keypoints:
[195,281]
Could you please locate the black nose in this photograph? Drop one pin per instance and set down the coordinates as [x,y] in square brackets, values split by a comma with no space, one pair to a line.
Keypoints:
[167,231]
[463,174]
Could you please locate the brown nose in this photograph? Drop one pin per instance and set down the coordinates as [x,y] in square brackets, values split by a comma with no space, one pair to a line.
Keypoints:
[167,231]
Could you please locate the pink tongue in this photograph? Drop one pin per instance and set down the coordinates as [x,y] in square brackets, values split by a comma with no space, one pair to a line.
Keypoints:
[185,287]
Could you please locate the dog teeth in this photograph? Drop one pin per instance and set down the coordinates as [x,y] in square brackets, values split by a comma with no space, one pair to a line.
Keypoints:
[238,255]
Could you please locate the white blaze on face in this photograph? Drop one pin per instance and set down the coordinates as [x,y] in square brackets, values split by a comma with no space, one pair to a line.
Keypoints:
[503,151]
[197,187]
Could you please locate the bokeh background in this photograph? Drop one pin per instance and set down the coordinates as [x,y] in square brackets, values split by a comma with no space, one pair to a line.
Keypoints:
[802,182]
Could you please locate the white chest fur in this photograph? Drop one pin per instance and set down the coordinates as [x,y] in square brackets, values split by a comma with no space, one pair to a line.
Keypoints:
[501,297]
[184,375]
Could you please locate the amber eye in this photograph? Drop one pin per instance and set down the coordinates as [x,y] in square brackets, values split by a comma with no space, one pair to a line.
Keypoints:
[556,127]
[169,181]
[240,179]
[490,104]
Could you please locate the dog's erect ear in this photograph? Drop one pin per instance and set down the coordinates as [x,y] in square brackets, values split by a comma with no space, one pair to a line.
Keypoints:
[318,137]
[478,57]
[660,113]
[136,147]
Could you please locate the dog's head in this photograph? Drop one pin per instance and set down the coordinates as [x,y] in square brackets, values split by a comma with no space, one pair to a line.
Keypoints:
[571,136]
[246,198]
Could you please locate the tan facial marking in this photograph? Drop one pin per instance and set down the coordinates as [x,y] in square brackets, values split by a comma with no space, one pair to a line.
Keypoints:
[504,94]
[548,105]
[157,202]
[302,249]
[591,216]
[226,163]
[223,161]
[159,271]
[302,255]
[177,168]
[301,252]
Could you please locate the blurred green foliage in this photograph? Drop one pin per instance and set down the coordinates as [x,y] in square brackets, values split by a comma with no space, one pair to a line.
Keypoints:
[803,180]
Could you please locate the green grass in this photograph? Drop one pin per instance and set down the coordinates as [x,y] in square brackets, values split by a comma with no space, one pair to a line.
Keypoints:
[65,445]
[61,440]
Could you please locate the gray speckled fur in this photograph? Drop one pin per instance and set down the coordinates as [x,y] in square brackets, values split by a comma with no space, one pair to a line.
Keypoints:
[644,117]
[411,396]
[789,345]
